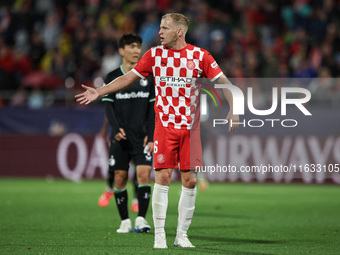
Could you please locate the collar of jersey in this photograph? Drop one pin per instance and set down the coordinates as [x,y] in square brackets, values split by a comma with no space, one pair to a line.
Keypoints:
[121,69]
[186,47]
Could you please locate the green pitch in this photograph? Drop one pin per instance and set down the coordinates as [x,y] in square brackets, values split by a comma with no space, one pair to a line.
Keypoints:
[62,217]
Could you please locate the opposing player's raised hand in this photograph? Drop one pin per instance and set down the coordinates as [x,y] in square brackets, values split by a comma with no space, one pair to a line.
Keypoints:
[88,96]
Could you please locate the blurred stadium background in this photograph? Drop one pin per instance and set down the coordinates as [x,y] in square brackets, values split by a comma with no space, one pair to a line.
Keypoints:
[48,48]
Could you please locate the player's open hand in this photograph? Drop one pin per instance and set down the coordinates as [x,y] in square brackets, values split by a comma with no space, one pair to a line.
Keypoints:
[88,96]
[233,121]
[148,146]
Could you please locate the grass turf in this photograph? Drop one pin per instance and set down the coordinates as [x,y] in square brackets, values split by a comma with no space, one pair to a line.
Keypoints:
[62,217]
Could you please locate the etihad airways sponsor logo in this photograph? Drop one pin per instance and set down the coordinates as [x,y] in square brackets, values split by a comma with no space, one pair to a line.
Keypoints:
[180,80]
[139,94]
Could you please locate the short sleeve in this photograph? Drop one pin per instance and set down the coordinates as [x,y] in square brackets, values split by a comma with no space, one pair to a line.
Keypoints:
[107,80]
[211,69]
[109,77]
[143,67]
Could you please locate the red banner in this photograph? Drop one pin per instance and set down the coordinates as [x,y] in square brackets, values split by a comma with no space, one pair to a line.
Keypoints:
[72,156]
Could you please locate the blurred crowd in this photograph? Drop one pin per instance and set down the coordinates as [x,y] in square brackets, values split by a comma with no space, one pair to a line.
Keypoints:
[48,48]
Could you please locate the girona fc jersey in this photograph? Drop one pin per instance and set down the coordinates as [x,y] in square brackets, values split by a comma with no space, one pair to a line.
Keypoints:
[175,73]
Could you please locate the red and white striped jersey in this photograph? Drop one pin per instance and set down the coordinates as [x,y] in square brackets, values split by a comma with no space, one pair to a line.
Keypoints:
[175,73]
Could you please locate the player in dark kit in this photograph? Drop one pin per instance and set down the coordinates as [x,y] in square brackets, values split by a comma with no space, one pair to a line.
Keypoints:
[130,113]
[105,199]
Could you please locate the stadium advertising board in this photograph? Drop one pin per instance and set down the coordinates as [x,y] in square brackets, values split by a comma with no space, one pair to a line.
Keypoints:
[307,159]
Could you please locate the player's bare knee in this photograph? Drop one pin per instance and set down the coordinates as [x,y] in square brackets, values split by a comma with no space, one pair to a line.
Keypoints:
[143,178]
[120,180]
[190,183]
[163,177]
[143,175]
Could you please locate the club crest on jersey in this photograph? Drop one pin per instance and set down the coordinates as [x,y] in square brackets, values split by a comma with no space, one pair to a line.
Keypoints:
[143,82]
[160,158]
[191,65]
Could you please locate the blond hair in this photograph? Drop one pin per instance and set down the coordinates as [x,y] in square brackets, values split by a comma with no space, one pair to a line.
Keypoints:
[179,19]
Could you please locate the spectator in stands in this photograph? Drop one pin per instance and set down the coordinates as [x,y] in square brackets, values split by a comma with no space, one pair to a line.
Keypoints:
[110,60]
[321,87]
[37,50]
[298,37]
[87,65]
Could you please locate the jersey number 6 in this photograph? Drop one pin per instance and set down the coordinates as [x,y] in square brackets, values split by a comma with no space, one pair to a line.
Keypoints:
[155,148]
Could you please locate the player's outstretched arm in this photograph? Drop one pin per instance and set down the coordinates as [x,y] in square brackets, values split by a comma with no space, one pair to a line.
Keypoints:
[232,118]
[88,96]
[118,84]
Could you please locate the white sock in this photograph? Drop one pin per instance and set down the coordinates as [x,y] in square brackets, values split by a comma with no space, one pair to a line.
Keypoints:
[186,208]
[159,207]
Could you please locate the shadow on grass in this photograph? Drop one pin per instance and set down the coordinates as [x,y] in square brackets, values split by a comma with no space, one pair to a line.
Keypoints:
[225,240]
[212,248]
[215,227]
[216,215]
